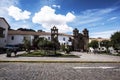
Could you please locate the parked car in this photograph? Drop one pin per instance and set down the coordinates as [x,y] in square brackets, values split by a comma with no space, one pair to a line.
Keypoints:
[2,50]
[11,47]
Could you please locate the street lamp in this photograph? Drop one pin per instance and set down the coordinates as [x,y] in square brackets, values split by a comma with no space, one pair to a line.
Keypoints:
[99,45]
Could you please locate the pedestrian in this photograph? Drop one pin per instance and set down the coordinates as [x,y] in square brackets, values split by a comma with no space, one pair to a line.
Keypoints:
[8,53]
[15,51]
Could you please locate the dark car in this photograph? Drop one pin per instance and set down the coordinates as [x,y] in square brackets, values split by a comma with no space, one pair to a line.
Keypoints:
[11,47]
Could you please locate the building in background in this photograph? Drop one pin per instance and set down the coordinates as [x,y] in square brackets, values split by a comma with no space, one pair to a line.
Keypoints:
[80,40]
[16,37]
[4,26]
[100,48]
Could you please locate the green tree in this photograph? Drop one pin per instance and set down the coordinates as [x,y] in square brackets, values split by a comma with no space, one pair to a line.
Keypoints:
[105,43]
[35,42]
[25,29]
[93,44]
[115,40]
[45,44]
[41,43]
[27,45]
[62,46]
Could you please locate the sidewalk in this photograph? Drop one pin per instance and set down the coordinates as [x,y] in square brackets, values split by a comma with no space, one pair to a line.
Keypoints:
[84,57]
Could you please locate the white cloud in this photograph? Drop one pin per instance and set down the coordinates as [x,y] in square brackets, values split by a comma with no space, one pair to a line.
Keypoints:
[4,4]
[93,16]
[56,6]
[90,20]
[107,10]
[47,18]
[7,3]
[18,14]
[112,18]
[103,34]
[97,12]
[21,25]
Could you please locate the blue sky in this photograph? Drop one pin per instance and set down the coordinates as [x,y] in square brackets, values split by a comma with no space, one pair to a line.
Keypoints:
[100,17]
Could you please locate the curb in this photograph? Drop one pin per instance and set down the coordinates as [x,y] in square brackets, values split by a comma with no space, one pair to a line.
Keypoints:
[61,61]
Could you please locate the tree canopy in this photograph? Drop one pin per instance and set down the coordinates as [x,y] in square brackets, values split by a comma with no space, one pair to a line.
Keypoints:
[115,40]
[45,44]
[25,29]
[93,44]
[105,43]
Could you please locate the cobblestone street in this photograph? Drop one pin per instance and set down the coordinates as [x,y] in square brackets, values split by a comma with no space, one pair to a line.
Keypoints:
[83,57]
[59,71]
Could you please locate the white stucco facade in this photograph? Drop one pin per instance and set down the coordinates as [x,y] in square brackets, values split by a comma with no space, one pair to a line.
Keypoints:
[15,38]
[48,37]
[18,39]
[5,26]
[63,39]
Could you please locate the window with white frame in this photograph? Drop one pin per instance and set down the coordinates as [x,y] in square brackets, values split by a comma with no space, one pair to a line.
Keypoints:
[12,38]
[48,38]
[63,39]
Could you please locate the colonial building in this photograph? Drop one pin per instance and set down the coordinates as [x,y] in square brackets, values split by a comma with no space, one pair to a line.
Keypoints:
[99,39]
[100,48]
[16,37]
[80,40]
[54,37]
[3,31]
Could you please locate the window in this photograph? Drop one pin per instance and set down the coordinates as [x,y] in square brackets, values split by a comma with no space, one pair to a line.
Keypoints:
[24,38]
[55,31]
[1,32]
[63,39]
[48,38]
[12,38]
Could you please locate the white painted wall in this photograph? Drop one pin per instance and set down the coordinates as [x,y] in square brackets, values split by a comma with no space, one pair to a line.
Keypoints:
[3,24]
[46,36]
[60,38]
[91,49]
[18,39]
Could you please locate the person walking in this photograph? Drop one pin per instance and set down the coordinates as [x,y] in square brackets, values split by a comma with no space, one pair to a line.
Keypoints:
[15,52]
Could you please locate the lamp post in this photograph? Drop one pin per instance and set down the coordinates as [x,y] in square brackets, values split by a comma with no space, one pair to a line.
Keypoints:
[99,45]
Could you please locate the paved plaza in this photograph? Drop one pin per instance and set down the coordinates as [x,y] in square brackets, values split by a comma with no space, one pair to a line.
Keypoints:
[59,71]
[88,57]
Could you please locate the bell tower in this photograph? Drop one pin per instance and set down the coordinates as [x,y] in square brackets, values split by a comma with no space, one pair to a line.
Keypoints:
[75,32]
[86,39]
[85,33]
[54,34]
[54,38]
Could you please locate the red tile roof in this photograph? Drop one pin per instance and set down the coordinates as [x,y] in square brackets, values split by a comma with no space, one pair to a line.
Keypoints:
[18,32]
